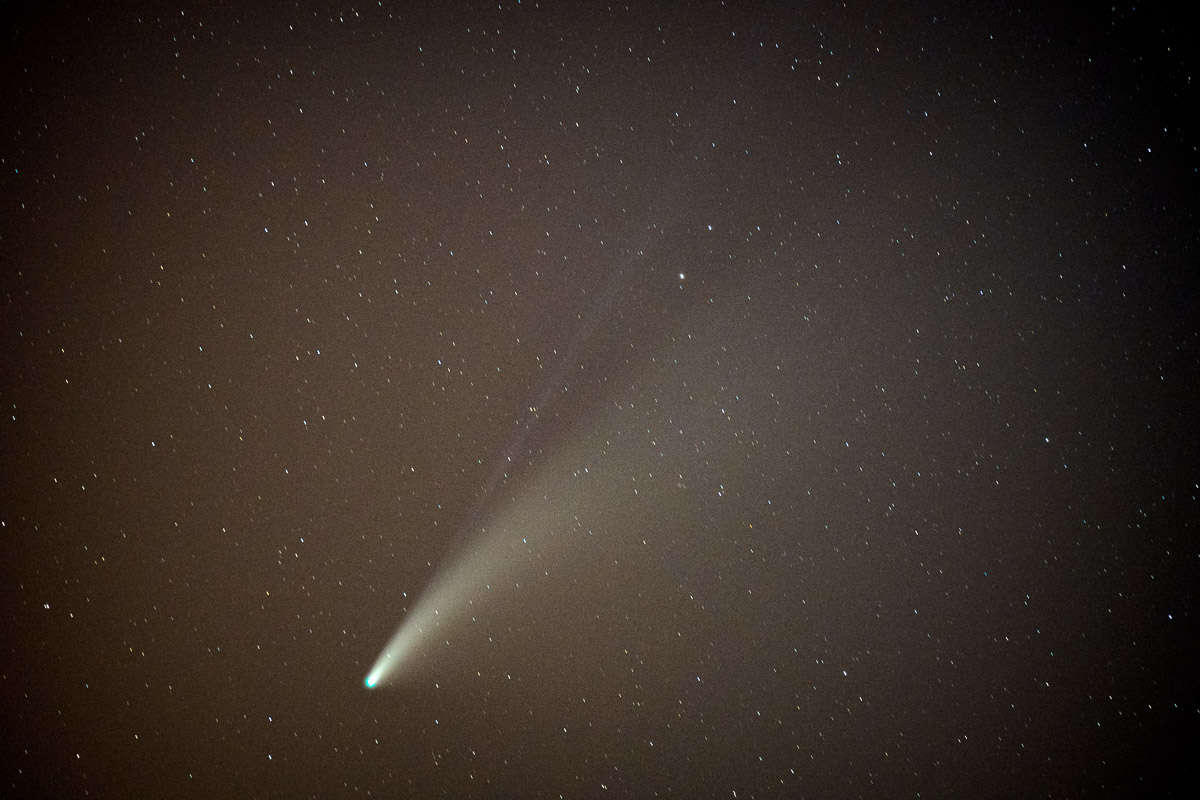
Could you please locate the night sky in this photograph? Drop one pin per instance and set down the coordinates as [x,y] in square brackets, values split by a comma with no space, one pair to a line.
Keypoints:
[736,400]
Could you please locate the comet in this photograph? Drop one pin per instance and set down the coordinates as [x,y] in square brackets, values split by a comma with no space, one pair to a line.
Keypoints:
[446,599]
[537,532]
[545,508]
[518,535]
[489,554]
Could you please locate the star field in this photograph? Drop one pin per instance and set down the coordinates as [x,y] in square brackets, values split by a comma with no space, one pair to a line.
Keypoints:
[712,400]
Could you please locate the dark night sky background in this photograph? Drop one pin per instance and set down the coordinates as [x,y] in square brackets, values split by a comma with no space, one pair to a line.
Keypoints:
[844,355]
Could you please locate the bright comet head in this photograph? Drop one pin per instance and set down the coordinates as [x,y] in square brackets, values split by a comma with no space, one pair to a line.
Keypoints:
[379,671]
